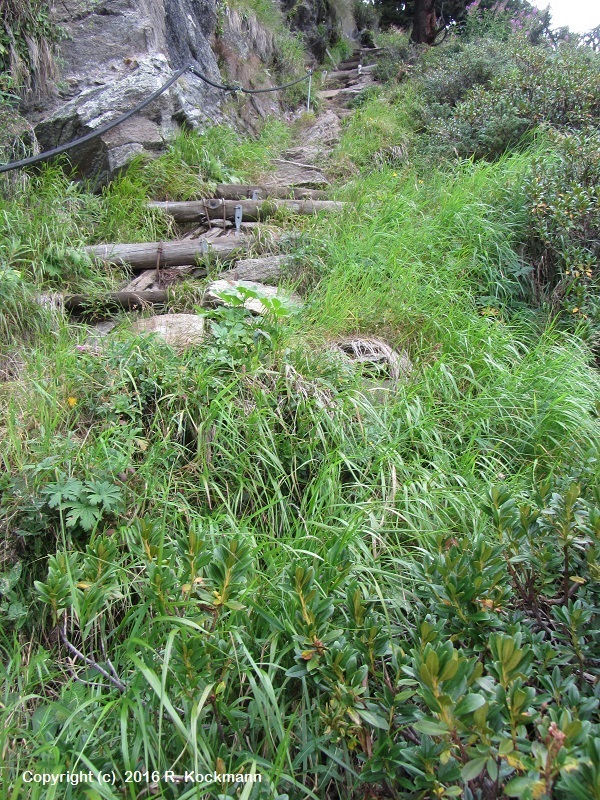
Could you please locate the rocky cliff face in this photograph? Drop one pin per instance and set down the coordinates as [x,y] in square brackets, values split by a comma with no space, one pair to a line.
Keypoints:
[117,52]
[321,22]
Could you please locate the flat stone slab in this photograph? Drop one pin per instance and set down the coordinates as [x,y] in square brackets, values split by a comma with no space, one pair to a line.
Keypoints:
[262,270]
[329,94]
[178,330]
[325,132]
[259,298]
[298,175]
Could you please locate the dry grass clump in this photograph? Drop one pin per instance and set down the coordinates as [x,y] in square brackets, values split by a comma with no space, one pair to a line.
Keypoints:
[375,352]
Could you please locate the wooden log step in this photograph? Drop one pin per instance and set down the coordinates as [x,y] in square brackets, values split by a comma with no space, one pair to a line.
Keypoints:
[129,300]
[217,208]
[148,255]
[239,191]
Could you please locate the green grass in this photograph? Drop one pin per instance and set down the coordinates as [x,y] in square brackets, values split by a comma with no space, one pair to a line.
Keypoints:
[273,549]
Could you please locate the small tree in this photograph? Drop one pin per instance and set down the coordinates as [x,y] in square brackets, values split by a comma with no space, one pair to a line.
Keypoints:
[592,39]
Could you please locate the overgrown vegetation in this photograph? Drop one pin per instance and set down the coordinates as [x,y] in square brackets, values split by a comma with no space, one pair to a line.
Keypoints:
[289,54]
[254,556]
[27,36]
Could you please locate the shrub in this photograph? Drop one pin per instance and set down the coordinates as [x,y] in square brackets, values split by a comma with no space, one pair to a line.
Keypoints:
[450,74]
[365,15]
[533,86]
[480,683]
[517,17]
[397,52]
[563,198]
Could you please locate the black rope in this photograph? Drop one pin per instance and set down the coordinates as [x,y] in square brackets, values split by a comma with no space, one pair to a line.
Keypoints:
[225,86]
[26,162]
[235,88]
[278,88]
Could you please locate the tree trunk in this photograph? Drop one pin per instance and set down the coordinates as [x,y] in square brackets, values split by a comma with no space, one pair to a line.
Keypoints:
[424,22]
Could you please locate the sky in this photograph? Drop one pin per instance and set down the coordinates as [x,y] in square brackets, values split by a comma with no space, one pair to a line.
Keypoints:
[579,15]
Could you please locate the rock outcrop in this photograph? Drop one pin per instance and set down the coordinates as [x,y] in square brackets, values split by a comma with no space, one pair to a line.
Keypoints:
[321,22]
[117,52]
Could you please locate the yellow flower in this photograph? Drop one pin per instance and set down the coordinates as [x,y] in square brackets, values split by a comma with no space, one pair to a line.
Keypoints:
[575,311]
[72,401]
[395,174]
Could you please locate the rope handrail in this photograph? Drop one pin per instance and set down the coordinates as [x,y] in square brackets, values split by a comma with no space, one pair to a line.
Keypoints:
[236,88]
[26,162]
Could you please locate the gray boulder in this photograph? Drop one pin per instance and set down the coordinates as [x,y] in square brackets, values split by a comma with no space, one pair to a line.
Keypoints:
[178,330]
[118,52]
[259,298]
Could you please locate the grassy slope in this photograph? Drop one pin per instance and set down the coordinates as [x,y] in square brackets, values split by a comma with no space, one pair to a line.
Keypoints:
[282,453]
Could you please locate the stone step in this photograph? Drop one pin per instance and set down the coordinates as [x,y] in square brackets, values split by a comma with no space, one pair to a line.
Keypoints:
[328,94]
[299,175]
[339,77]
[336,96]
[216,293]
[350,64]
[268,269]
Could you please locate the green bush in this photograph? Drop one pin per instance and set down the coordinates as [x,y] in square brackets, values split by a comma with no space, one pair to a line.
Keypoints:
[482,680]
[458,68]
[365,15]
[535,85]
[563,198]
[518,16]
[397,53]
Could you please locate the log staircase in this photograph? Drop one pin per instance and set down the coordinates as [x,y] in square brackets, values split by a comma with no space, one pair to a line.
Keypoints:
[223,227]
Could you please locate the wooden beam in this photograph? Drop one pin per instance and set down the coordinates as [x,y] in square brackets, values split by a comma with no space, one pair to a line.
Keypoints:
[217,208]
[81,302]
[149,255]
[239,191]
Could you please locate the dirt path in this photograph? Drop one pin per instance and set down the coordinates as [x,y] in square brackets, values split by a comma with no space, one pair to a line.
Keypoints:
[226,229]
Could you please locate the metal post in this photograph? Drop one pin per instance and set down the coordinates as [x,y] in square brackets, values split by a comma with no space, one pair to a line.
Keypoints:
[309,87]
[238,218]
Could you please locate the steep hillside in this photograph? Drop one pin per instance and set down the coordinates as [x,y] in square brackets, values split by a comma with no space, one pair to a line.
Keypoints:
[300,485]
[103,58]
